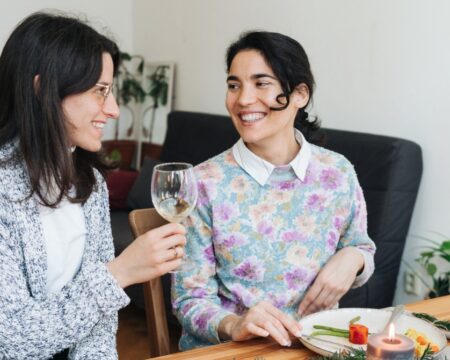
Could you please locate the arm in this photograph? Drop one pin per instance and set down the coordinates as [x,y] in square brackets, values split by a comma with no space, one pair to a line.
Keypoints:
[352,265]
[195,292]
[149,256]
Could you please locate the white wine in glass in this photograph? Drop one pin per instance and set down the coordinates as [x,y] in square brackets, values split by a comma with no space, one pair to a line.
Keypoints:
[174,192]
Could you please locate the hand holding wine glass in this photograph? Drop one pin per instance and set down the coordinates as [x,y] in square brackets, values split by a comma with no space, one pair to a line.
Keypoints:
[174,191]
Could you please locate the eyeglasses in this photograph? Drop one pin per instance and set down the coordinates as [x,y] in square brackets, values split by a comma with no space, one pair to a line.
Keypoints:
[104,90]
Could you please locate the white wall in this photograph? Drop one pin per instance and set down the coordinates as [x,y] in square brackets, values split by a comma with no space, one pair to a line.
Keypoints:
[381,67]
[112,15]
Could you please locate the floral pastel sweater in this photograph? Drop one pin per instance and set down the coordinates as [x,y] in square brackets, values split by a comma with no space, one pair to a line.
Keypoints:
[253,242]
[83,315]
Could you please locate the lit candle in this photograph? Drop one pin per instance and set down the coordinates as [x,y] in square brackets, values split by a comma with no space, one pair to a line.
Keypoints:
[390,347]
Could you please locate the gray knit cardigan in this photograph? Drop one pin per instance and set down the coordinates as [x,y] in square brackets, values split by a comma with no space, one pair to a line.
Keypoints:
[83,315]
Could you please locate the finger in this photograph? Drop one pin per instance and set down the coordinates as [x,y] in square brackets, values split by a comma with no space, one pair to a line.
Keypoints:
[309,298]
[171,242]
[176,252]
[168,266]
[287,321]
[167,230]
[171,254]
[318,304]
[278,333]
[332,300]
[256,330]
[316,299]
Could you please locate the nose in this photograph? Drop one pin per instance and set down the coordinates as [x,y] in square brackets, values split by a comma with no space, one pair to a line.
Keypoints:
[110,107]
[247,96]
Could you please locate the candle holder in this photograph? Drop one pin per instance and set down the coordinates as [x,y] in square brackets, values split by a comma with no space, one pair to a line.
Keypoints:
[381,347]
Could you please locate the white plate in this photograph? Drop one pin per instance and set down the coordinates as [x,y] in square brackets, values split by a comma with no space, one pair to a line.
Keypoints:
[374,319]
[446,332]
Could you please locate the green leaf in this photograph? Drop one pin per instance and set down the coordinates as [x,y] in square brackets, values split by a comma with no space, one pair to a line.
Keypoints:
[164,93]
[140,68]
[427,253]
[125,56]
[445,247]
[431,269]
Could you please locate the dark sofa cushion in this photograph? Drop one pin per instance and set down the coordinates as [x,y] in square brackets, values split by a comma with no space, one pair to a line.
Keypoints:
[139,196]
[195,137]
[389,170]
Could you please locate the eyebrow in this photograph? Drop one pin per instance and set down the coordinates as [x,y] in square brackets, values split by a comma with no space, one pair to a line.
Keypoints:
[253,77]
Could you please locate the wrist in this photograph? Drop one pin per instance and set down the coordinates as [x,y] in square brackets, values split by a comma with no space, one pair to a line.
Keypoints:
[116,270]
[356,254]
[226,326]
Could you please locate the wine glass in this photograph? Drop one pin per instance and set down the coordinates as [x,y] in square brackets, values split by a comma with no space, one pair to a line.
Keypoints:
[174,193]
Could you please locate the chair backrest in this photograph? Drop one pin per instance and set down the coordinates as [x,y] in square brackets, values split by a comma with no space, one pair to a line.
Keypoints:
[141,221]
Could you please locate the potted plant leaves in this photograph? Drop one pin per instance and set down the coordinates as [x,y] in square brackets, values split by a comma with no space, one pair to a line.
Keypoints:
[128,89]
[158,92]
[435,260]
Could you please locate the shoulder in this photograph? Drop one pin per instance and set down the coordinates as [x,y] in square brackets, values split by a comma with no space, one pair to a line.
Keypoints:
[328,158]
[217,167]
[326,163]
[14,182]
[100,182]
[7,151]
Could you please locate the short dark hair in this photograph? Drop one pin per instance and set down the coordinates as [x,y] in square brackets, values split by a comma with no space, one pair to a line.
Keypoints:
[67,54]
[289,63]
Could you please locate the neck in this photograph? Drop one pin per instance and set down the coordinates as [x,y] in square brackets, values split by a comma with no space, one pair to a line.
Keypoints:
[278,152]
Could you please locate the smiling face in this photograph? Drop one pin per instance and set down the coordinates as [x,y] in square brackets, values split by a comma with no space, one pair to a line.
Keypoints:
[252,92]
[87,113]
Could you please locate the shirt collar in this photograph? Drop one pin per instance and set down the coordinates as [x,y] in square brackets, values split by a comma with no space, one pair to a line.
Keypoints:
[260,169]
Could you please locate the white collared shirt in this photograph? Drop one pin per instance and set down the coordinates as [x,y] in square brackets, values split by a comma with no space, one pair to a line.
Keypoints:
[260,169]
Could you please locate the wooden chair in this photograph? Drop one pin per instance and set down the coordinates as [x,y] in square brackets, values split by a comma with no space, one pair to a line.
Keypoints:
[141,221]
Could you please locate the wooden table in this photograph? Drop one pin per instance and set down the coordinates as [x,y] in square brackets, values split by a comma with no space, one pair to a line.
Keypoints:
[265,349]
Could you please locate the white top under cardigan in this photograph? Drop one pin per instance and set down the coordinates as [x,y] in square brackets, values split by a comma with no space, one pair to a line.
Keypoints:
[65,238]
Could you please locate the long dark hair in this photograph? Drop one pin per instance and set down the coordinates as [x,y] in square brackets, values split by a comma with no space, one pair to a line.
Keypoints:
[67,54]
[290,65]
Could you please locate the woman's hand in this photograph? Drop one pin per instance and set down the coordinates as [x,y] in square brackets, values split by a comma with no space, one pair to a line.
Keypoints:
[333,281]
[152,254]
[263,320]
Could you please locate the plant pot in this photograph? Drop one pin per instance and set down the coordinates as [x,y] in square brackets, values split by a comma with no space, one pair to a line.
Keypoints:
[151,150]
[120,152]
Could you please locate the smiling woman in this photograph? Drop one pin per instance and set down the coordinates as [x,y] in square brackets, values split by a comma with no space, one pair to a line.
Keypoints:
[60,285]
[280,227]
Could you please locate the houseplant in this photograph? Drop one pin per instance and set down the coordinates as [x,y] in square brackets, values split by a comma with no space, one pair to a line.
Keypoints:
[435,261]
[158,92]
[128,89]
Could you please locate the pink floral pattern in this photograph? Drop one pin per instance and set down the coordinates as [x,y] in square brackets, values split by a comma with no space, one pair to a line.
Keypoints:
[253,243]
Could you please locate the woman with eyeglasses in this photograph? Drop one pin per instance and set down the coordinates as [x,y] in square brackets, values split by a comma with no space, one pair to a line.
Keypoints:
[280,230]
[60,285]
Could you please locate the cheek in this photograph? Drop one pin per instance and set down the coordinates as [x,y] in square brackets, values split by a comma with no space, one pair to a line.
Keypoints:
[270,99]
[229,101]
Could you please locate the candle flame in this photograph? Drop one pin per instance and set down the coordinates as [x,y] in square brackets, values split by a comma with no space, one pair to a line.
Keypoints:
[391,332]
